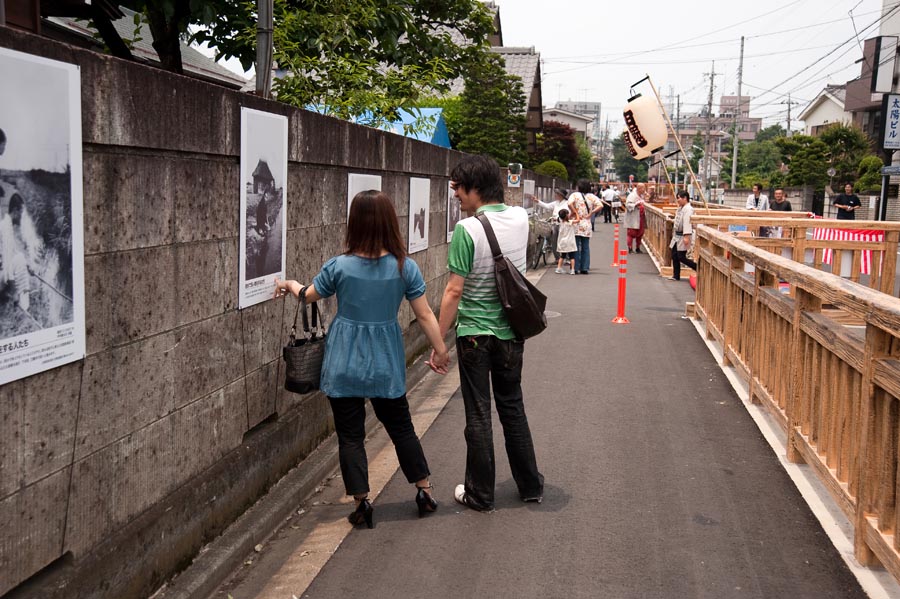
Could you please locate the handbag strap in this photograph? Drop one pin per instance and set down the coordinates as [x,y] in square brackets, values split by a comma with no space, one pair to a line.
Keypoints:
[491,237]
[301,300]
[316,317]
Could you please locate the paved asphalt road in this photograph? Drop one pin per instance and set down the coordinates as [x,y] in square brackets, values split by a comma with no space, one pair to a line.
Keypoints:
[658,482]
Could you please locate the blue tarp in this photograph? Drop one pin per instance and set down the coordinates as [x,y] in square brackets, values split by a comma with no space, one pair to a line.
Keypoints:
[434,132]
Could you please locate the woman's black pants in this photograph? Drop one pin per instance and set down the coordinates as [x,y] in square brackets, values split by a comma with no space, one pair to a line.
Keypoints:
[350,425]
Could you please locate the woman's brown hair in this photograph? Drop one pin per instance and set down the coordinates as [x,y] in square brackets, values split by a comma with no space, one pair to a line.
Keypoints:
[372,227]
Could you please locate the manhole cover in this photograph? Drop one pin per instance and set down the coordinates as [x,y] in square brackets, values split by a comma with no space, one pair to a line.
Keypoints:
[551,314]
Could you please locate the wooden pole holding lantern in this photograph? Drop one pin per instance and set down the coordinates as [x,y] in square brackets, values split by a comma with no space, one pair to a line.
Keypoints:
[677,140]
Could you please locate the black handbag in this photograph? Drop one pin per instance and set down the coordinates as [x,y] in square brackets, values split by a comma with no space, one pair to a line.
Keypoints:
[522,302]
[303,355]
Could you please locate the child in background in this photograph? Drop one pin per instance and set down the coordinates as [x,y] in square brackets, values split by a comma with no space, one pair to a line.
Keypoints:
[565,244]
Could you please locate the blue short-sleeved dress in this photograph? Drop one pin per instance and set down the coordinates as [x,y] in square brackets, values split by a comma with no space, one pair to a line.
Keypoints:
[364,355]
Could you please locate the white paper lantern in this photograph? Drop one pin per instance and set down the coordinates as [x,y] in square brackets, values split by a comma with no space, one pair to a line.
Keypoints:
[637,152]
[645,124]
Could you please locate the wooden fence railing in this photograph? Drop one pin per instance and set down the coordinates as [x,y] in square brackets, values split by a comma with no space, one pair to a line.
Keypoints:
[833,388]
[862,251]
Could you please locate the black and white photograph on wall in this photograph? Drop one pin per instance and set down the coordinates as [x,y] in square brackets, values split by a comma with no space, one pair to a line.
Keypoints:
[41,215]
[357,183]
[453,212]
[264,138]
[419,199]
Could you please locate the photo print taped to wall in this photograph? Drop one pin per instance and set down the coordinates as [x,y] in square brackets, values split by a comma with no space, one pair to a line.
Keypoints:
[419,200]
[263,204]
[357,183]
[453,212]
[42,314]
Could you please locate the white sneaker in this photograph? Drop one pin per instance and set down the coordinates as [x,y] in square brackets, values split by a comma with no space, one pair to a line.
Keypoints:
[459,494]
[559,271]
[571,272]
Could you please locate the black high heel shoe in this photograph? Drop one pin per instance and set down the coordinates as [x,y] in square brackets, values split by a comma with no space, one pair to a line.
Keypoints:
[426,502]
[362,513]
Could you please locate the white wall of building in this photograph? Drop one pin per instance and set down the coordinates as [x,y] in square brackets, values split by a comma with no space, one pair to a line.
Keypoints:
[825,113]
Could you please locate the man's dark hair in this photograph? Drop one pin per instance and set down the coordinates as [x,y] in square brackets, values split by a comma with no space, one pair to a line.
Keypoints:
[584,186]
[758,186]
[481,173]
[683,194]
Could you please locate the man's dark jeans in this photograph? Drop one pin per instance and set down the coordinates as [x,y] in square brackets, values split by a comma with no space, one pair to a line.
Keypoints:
[486,362]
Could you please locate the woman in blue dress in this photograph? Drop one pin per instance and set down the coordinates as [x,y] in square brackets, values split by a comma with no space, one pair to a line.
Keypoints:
[364,353]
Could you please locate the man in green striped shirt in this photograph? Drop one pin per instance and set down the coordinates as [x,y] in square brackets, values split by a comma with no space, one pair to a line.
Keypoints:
[487,348]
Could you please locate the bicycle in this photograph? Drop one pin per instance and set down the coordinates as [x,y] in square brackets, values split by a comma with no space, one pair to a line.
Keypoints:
[542,246]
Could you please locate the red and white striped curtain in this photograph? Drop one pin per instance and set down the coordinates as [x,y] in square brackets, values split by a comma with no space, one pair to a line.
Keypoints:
[850,235]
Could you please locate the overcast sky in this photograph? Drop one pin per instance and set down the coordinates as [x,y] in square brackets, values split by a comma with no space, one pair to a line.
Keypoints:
[593,50]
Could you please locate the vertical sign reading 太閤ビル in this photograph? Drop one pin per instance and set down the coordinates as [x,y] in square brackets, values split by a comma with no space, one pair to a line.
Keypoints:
[263,230]
[42,311]
[891,131]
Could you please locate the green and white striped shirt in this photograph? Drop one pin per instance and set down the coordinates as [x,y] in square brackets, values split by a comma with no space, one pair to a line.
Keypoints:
[480,311]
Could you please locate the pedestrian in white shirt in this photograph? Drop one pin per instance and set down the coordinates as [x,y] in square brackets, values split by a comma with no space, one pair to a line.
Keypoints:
[560,201]
[757,200]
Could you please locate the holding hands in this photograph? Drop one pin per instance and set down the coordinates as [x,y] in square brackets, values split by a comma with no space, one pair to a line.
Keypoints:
[439,361]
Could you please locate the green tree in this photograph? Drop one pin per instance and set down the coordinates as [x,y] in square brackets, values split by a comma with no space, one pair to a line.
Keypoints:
[758,162]
[770,133]
[625,163]
[847,145]
[869,173]
[552,168]
[362,58]
[584,161]
[695,153]
[492,113]
[806,158]
[557,142]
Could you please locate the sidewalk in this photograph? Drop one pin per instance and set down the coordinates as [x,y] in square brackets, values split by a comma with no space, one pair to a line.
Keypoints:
[658,481]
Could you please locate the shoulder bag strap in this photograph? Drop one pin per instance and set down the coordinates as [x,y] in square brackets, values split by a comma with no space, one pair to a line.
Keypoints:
[489,231]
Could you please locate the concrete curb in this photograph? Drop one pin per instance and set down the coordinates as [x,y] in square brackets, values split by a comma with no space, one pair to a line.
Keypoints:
[225,554]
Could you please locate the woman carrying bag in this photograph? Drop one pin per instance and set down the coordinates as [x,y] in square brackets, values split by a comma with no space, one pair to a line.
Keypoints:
[364,353]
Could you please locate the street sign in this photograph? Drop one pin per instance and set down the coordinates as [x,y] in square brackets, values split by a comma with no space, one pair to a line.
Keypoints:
[890,170]
[891,110]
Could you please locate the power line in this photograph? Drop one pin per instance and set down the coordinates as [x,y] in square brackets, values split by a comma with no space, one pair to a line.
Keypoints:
[706,44]
[838,47]
[699,60]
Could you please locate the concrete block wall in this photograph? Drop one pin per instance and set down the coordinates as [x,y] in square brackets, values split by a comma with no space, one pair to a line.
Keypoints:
[116,469]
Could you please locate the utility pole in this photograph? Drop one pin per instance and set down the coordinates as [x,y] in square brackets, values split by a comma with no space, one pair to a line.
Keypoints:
[706,170]
[737,116]
[678,138]
[264,25]
[789,104]
[603,140]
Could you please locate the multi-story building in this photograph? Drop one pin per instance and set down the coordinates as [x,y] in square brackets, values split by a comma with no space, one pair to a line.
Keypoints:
[715,130]
[589,109]
[577,121]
